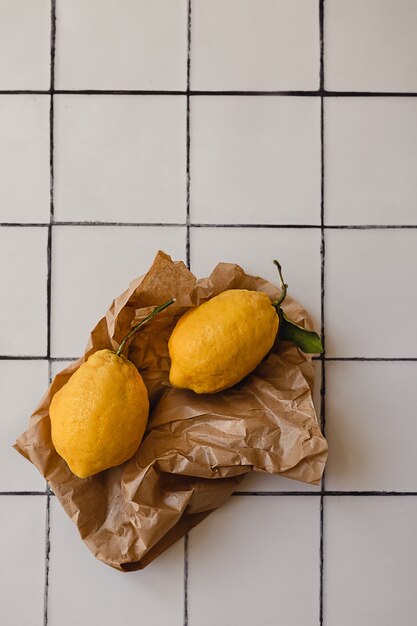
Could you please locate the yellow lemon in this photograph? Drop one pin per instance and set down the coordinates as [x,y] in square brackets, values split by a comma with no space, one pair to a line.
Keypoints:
[218,343]
[99,417]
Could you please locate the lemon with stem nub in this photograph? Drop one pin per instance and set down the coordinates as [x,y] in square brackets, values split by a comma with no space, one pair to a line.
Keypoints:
[215,345]
[98,418]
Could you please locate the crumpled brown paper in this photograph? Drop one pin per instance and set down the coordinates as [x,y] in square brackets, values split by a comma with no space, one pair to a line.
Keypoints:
[197,447]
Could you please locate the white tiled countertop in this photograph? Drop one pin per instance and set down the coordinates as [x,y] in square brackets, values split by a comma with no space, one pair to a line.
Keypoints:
[234,130]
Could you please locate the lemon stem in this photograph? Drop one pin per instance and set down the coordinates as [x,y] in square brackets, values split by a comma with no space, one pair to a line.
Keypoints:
[284,287]
[134,330]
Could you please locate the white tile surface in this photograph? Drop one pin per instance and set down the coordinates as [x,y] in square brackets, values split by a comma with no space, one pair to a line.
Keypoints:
[91,266]
[16,473]
[255,481]
[255,561]
[371,426]
[23,280]
[24,158]
[120,158]
[58,366]
[25,28]
[22,529]
[370,45]
[255,248]
[371,160]
[370,296]
[128,44]
[84,591]
[370,563]
[240,45]
[255,160]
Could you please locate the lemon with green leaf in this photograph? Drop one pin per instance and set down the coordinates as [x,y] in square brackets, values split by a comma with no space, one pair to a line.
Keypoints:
[215,345]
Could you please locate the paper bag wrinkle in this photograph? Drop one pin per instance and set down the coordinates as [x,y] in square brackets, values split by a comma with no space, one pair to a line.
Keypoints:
[197,449]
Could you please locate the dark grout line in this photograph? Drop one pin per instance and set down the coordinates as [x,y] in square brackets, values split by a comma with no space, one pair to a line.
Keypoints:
[48,293]
[59,223]
[252,92]
[24,225]
[188,46]
[25,92]
[323,93]
[321,27]
[23,493]
[321,226]
[186,566]
[51,171]
[120,92]
[190,224]
[276,493]
[51,162]
[368,94]
[188,139]
[188,182]
[207,225]
[52,359]
[321,553]
[319,93]
[369,226]
[49,286]
[147,224]
[7,357]
[47,558]
[53,42]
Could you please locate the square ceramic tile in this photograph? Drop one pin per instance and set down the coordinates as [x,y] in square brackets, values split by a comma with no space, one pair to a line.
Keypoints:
[255,160]
[140,44]
[370,297]
[24,158]
[370,560]
[22,385]
[255,481]
[365,452]
[298,251]
[91,265]
[252,561]
[25,35]
[58,366]
[23,314]
[370,45]
[120,158]
[22,549]
[370,160]
[238,45]
[84,591]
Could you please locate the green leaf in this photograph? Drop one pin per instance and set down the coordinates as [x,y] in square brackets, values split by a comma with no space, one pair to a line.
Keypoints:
[307,340]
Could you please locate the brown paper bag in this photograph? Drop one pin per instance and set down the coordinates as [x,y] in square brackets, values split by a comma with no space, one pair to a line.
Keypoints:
[197,447]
